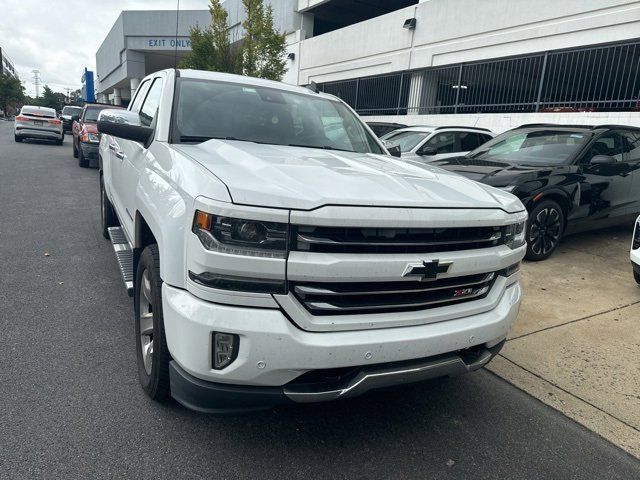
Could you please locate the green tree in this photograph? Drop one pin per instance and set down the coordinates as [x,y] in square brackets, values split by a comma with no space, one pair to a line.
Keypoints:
[51,99]
[261,53]
[211,47]
[11,92]
[263,48]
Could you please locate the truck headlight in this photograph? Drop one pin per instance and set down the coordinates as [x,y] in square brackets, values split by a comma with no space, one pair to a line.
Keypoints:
[241,237]
[515,234]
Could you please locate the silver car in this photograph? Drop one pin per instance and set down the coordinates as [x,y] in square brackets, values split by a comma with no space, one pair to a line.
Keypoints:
[427,144]
[38,122]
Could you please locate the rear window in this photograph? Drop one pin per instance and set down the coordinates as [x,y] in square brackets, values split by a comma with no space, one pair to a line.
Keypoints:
[38,112]
[71,110]
[91,115]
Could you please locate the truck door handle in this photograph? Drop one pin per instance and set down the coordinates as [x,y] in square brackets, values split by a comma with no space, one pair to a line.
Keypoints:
[112,147]
[120,155]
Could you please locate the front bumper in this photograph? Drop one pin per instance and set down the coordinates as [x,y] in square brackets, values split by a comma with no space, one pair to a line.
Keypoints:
[209,397]
[89,150]
[274,352]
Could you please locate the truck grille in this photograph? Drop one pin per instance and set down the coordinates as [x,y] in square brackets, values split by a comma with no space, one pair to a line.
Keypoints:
[355,298]
[394,240]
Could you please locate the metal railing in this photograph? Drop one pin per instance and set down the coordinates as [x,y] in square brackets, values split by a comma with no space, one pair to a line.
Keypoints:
[597,78]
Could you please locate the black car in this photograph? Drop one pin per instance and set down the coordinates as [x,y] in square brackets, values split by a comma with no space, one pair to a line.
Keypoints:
[571,178]
[382,128]
[68,112]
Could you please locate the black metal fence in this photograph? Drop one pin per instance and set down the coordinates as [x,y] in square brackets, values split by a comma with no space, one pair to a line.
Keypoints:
[597,78]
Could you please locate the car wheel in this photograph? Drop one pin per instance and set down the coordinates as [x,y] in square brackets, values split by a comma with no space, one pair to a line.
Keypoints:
[61,141]
[544,230]
[82,161]
[152,353]
[75,150]
[17,138]
[107,214]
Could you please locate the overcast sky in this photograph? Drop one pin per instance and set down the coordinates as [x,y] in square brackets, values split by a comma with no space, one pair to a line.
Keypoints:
[61,37]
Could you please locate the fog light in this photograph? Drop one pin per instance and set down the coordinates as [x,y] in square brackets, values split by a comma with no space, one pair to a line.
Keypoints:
[225,349]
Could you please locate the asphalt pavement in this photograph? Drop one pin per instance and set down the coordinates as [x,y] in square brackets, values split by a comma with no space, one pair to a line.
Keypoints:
[71,407]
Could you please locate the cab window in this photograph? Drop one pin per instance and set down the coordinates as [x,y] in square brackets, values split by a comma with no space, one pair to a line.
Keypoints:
[152,101]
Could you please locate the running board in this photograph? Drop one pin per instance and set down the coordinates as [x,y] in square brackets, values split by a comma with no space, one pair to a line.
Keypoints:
[124,255]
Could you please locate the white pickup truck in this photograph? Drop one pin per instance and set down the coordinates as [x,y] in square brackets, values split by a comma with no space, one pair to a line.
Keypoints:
[276,253]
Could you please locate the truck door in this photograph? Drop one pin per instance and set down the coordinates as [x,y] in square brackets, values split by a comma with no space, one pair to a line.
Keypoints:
[135,156]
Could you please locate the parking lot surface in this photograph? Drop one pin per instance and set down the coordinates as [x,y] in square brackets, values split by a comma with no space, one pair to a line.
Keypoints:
[71,407]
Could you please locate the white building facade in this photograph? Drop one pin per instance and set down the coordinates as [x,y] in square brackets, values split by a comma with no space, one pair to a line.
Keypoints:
[491,63]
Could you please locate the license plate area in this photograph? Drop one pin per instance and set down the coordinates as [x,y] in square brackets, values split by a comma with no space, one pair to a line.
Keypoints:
[38,123]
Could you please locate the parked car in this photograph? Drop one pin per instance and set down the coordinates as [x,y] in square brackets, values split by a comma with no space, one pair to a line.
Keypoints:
[38,122]
[273,262]
[85,134]
[68,112]
[635,251]
[427,144]
[570,178]
[382,128]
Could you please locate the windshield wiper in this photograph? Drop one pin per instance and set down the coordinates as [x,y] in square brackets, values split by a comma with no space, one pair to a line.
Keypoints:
[324,147]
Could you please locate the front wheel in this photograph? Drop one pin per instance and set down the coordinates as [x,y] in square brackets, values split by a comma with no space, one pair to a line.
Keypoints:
[151,346]
[544,230]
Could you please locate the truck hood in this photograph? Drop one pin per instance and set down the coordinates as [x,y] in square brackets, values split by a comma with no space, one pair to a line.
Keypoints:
[305,178]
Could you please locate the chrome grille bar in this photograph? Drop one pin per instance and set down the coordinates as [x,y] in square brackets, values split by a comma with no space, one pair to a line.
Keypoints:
[348,298]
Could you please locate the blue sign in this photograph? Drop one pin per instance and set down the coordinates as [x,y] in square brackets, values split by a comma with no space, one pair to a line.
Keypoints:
[88,89]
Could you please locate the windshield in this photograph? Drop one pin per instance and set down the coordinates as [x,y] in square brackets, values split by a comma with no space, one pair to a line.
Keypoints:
[407,141]
[91,115]
[545,147]
[71,110]
[208,109]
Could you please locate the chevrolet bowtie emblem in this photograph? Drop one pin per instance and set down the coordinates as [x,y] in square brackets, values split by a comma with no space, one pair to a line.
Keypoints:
[426,270]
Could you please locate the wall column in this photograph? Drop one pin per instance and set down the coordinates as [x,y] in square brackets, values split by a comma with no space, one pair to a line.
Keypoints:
[135,83]
[117,96]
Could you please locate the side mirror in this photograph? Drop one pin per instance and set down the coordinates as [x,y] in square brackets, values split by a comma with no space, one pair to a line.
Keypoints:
[602,160]
[124,124]
[427,151]
[395,151]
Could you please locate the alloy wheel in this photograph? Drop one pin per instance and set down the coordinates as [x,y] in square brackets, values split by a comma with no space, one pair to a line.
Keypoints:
[145,320]
[545,230]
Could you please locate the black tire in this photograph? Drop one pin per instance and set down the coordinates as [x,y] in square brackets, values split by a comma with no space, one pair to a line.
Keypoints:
[155,382]
[61,141]
[544,230]
[17,138]
[82,161]
[75,150]
[108,216]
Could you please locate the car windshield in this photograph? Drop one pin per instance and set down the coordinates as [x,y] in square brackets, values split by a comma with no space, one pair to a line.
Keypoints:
[545,147]
[91,115]
[208,109]
[407,140]
[71,110]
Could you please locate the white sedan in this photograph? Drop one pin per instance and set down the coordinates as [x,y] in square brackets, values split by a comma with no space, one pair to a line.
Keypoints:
[635,251]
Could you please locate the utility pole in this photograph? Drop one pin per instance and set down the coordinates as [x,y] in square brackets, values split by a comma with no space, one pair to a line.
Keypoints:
[68,93]
[36,81]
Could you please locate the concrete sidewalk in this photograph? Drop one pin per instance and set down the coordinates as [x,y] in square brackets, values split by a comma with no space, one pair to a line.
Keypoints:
[576,345]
